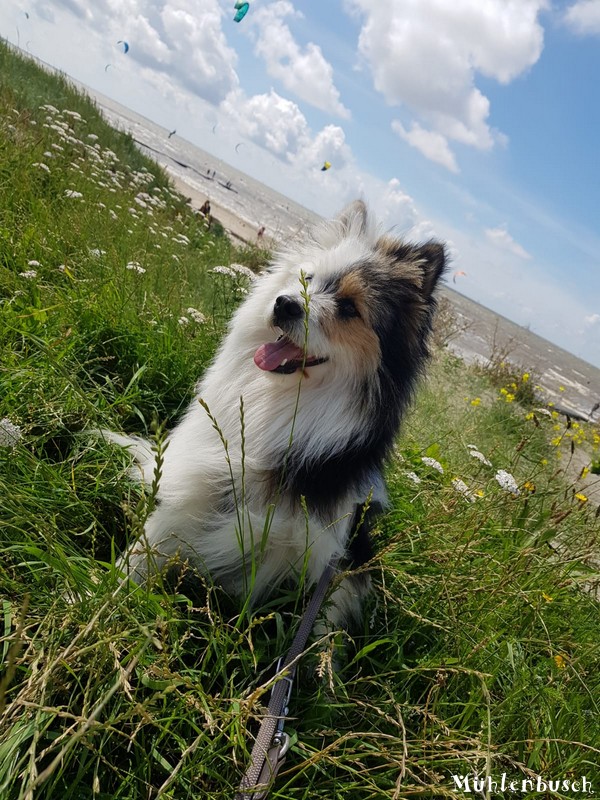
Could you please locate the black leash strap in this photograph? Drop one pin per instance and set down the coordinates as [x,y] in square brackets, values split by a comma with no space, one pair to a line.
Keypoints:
[272,743]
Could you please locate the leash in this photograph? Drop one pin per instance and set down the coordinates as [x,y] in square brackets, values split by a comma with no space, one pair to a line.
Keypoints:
[272,742]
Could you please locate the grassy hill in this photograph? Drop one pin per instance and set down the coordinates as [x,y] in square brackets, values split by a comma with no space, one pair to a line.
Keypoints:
[480,651]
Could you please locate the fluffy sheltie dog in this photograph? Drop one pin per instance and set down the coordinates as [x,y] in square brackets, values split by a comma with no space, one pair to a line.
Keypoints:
[269,472]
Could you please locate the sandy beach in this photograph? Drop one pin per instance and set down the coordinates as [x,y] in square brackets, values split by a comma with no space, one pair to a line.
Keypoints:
[239,230]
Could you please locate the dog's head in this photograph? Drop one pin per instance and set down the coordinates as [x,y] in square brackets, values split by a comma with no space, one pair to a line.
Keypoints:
[350,303]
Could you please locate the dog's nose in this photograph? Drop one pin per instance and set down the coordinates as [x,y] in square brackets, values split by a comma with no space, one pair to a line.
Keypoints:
[286,308]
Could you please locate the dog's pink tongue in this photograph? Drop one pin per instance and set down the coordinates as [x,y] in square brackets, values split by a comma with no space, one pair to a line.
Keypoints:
[270,355]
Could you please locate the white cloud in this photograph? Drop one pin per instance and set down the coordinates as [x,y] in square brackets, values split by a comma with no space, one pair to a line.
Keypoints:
[329,144]
[583,17]
[303,71]
[431,144]
[425,56]
[502,238]
[591,321]
[269,120]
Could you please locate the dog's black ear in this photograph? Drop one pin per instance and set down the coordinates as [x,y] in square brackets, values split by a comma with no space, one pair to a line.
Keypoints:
[354,218]
[432,260]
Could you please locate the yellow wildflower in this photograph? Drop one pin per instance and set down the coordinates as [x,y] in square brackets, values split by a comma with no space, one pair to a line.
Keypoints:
[581,497]
[476,401]
[529,485]
[503,390]
[561,388]
[584,473]
[509,397]
[547,597]
[560,661]
[556,441]
[529,415]
[525,377]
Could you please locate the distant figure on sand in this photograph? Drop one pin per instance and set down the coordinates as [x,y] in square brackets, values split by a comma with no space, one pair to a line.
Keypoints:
[205,208]
[260,233]
[171,134]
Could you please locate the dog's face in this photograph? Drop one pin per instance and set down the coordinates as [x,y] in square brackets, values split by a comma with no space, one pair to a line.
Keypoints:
[350,304]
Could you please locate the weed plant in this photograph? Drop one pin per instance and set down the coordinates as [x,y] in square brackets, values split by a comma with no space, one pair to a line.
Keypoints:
[480,651]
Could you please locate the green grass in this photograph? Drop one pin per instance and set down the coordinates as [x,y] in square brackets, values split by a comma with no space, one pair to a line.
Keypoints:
[480,650]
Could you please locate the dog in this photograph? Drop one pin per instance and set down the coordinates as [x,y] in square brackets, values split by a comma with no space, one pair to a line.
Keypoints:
[276,467]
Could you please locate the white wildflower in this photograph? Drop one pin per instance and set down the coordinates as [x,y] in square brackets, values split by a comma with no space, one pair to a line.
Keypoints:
[242,270]
[48,154]
[10,434]
[74,114]
[57,147]
[507,481]
[39,164]
[101,205]
[73,194]
[62,268]
[96,252]
[133,265]
[196,315]
[480,457]
[462,488]
[412,476]
[220,270]
[543,411]
[112,214]
[431,462]
[92,137]
[30,274]
[33,263]
[50,108]
[183,321]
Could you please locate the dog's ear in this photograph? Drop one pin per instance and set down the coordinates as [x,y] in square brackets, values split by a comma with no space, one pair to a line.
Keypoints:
[432,261]
[354,219]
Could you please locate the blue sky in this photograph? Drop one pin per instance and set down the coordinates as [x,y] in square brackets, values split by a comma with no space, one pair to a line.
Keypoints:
[475,121]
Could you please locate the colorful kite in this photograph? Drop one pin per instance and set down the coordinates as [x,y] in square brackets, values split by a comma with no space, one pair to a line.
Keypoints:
[325,166]
[242,10]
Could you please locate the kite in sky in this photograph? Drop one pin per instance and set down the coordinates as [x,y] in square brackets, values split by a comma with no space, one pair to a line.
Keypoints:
[458,274]
[242,10]
[325,166]
[125,45]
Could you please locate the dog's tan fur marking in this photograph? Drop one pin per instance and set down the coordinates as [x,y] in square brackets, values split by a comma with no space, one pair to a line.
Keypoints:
[355,333]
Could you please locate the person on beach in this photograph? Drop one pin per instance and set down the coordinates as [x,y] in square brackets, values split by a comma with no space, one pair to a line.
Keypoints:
[205,208]
[260,233]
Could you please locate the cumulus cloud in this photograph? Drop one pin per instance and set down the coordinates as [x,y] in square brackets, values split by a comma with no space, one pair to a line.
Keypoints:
[180,39]
[425,56]
[502,238]
[269,120]
[278,124]
[431,144]
[583,17]
[303,71]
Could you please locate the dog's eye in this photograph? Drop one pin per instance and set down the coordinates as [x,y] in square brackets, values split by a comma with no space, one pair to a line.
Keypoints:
[346,308]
